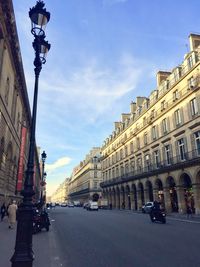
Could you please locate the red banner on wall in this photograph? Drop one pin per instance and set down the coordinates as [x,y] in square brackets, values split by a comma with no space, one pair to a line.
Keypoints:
[21,160]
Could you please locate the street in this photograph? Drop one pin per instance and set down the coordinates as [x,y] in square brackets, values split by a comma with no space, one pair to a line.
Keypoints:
[122,239]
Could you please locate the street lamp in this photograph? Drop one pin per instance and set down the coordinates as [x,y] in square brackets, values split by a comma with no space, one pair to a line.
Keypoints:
[23,255]
[43,156]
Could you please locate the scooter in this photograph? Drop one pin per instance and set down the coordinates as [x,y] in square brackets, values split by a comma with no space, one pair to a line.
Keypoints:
[159,216]
[40,221]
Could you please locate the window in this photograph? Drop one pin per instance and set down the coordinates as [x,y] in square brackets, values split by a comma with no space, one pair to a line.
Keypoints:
[164,126]
[144,121]
[117,172]
[145,139]
[95,185]
[138,142]
[193,107]
[177,117]
[191,83]
[139,164]
[181,147]
[7,89]
[153,132]
[132,165]
[121,153]
[197,141]
[113,173]
[190,62]
[152,114]
[122,170]
[126,151]
[131,147]
[126,168]
[147,161]
[163,105]
[156,158]
[176,95]
[167,154]
[95,174]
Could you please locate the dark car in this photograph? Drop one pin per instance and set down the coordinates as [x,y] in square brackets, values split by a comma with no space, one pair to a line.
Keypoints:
[147,207]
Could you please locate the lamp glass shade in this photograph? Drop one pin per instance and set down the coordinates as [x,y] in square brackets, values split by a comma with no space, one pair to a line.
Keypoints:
[43,155]
[39,18]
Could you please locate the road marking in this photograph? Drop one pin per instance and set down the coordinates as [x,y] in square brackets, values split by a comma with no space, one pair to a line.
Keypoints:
[183,220]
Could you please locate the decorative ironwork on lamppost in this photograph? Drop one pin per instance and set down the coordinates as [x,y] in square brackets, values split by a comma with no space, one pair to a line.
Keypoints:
[23,255]
[43,157]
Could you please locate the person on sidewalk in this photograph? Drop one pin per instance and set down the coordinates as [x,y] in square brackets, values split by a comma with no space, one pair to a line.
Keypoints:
[12,211]
[189,211]
[3,211]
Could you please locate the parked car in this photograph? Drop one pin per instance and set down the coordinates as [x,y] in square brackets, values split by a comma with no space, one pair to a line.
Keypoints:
[93,206]
[63,204]
[70,205]
[147,207]
[85,205]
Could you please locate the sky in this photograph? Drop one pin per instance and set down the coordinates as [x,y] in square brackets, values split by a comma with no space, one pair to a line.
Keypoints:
[104,53]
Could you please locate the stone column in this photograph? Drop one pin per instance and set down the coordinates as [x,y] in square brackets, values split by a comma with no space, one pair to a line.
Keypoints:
[126,200]
[155,194]
[196,191]
[132,201]
[139,201]
[167,200]
[181,200]
[146,195]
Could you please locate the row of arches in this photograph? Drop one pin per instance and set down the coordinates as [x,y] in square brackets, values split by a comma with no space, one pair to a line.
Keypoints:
[175,195]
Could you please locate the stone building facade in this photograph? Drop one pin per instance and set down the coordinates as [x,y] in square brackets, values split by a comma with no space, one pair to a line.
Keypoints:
[154,151]
[15,115]
[84,184]
[61,193]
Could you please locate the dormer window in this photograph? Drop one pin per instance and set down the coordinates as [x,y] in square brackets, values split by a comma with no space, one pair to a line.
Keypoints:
[190,62]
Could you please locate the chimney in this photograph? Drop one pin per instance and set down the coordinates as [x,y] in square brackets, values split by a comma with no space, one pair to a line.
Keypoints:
[139,100]
[162,75]
[133,107]
[125,116]
[117,124]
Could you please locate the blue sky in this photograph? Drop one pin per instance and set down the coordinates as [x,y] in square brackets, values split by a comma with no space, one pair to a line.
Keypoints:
[104,53]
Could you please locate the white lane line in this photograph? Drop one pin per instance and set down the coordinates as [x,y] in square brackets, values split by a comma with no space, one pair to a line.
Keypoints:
[183,220]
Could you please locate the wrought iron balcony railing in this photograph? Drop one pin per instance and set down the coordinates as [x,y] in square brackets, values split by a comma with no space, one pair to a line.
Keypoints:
[172,163]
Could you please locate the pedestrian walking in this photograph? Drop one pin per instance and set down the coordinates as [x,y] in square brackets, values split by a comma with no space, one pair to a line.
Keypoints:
[189,212]
[3,211]
[12,212]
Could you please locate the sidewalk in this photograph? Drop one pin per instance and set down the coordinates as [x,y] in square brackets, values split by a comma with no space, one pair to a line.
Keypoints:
[45,247]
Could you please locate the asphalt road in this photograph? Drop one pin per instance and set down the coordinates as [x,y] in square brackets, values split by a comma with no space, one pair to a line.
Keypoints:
[123,239]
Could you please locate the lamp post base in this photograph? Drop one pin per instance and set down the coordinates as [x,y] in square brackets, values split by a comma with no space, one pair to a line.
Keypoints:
[23,255]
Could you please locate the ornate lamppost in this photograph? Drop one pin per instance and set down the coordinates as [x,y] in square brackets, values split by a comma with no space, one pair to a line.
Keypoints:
[23,255]
[43,157]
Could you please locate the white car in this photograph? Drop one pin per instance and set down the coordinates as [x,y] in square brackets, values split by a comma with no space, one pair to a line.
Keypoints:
[93,206]
[63,204]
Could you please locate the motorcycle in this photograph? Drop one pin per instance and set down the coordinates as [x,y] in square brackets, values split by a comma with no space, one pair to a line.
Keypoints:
[40,221]
[159,216]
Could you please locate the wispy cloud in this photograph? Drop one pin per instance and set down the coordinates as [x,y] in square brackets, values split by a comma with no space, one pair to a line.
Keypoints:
[88,92]
[57,164]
